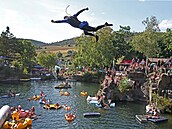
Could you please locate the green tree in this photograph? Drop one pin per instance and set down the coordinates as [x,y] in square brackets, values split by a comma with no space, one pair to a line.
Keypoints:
[69,52]
[151,24]
[147,42]
[22,52]
[26,54]
[59,54]
[47,59]
[121,44]
[95,54]
[8,43]
[165,44]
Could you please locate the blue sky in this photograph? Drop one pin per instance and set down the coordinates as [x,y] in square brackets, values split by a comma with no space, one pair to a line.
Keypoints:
[31,18]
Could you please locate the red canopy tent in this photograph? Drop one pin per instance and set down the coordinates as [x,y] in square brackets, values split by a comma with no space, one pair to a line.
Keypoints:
[126,62]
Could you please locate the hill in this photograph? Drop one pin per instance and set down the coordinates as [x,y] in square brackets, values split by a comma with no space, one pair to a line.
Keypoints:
[62,46]
[35,42]
[66,42]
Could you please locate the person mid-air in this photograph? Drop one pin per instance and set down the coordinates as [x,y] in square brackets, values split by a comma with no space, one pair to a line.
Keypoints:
[73,21]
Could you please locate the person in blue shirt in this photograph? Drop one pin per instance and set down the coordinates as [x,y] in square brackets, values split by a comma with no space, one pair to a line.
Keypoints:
[83,25]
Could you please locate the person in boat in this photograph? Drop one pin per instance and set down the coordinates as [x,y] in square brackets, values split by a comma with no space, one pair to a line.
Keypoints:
[34,97]
[66,83]
[48,101]
[155,113]
[47,106]
[42,93]
[57,104]
[19,108]
[70,115]
[83,25]
[11,93]
[13,109]
[43,99]
[31,113]
[32,110]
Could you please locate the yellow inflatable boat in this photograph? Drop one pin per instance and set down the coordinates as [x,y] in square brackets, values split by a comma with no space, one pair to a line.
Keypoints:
[20,124]
[52,106]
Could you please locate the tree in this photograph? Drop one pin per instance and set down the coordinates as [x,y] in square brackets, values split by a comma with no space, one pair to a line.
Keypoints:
[59,54]
[151,24]
[47,59]
[26,54]
[95,54]
[22,51]
[165,44]
[8,43]
[121,44]
[147,41]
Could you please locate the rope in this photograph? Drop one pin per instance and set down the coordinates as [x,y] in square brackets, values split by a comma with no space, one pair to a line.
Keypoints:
[66,10]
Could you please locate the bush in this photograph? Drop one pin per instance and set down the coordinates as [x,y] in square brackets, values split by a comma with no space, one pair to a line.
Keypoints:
[87,77]
[124,85]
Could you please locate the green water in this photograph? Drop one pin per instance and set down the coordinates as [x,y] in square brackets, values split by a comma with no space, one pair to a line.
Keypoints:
[120,117]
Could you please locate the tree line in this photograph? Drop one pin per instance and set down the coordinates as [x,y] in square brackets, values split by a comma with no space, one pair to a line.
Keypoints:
[124,44]
[112,46]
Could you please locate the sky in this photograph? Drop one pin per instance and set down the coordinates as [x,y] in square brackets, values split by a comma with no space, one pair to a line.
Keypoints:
[31,19]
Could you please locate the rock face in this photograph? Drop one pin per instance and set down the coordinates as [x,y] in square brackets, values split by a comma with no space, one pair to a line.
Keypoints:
[131,89]
[137,76]
[8,74]
[164,84]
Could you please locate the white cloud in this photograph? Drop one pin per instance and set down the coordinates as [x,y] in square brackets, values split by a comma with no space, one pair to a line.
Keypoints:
[31,19]
[9,15]
[165,24]
[92,14]
[142,0]
[103,13]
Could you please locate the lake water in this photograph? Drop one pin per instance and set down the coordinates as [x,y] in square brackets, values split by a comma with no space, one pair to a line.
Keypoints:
[120,117]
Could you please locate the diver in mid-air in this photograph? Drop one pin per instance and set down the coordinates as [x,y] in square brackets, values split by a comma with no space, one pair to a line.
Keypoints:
[73,21]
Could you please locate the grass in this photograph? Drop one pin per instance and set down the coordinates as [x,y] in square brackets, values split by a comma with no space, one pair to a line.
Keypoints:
[55,49]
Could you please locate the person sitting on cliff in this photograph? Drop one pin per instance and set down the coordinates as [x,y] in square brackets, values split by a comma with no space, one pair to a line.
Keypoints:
[105,83]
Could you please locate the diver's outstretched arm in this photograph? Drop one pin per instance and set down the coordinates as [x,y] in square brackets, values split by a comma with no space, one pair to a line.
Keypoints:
[80,12]
[58,21]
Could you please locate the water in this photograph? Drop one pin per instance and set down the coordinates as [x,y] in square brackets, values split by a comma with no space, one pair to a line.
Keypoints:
[120,117]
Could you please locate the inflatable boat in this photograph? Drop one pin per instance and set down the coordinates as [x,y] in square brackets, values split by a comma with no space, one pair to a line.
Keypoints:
[4,114]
